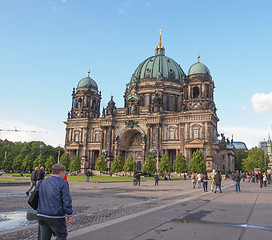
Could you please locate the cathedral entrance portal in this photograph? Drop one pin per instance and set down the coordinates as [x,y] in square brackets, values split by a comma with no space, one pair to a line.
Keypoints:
[132,144]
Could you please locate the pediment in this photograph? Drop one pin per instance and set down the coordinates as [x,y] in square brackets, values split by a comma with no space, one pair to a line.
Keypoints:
[194,142]
[74,145]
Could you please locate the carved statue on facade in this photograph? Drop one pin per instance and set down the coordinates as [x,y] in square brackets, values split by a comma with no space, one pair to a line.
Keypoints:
[111,108]
[132,109]
[104,152]
[132,123]
[159,76]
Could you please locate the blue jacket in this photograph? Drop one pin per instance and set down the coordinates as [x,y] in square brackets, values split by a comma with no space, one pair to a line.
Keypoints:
[54,198]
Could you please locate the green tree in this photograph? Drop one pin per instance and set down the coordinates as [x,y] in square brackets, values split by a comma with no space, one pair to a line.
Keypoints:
[39,161]
[8,161]
[65,161]
[49,163]
[255,159]
[164,165]
[100,164]
[9,152]
[197,162]
[130,165]
[150,165]
[17,162]
[117,164]
[180,165]
[240,154]
[75,164]
[27,163]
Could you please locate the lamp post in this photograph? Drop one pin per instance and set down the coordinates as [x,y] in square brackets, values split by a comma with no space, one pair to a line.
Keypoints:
[40,156]
[58,155]
[264,158]
[157,163]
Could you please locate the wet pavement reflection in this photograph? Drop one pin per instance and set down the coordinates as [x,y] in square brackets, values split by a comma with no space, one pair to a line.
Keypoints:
[9,220]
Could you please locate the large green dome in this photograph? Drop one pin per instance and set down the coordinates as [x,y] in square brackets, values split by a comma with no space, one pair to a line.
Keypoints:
[159,67]
[198,68]
[87,82]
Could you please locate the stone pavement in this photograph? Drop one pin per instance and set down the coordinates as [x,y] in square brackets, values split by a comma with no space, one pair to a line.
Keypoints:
[227,215]
[172,210]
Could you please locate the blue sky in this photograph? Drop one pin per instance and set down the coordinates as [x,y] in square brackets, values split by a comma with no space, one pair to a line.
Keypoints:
[48,46]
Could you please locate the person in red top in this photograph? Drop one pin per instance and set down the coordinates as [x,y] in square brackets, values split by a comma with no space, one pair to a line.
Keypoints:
[65,177]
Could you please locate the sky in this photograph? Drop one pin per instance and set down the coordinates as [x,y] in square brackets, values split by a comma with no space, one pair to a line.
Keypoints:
[48,46]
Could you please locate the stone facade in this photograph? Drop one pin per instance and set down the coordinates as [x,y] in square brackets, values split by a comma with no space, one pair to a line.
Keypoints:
[165,112]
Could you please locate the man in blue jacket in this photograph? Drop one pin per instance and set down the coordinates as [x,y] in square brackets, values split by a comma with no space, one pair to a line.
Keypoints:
[55,205]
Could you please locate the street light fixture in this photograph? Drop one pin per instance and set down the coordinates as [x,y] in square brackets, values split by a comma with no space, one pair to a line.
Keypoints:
[264,158]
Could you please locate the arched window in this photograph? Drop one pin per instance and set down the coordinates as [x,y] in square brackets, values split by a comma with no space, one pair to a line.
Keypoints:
[136,140]
[195,133]
[172,134]
[79,103]
[76,136]
[171,103]
[146,100]
[196,92]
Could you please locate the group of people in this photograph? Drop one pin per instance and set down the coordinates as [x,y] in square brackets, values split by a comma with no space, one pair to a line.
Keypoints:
[55,202]
[202,179]
[89,175]
[137,179]
[262,178]
[36,175]
[54,205]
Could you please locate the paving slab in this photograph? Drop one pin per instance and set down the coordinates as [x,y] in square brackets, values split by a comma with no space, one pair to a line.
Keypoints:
[229,215]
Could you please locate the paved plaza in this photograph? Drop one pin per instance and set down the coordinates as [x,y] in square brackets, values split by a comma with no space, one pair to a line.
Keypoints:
[172,210]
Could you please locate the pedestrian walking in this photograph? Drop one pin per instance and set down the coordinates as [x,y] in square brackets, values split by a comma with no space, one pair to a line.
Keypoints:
[88,174]
[205,181]
[264,179]
[217,181]
[91,176]
[268,178]
[156,179]
[65,177]
[198,178]
[193,179]
[33,179]
[138,179]
[55,205]
[260,179]
[212,177]
[237,179]
[40,174]
[184,177]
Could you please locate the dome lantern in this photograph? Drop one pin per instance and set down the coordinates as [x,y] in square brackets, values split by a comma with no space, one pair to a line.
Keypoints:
[87,82]
[160,50]
[198,68]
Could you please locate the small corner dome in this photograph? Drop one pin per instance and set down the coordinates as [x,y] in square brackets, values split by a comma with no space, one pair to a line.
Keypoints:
[87,82]
[198,68]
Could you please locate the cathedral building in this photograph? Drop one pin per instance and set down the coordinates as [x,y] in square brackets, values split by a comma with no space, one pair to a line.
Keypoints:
[165,112]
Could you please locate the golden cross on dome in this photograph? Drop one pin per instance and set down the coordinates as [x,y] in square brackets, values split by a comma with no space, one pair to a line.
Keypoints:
[198,57]
[160,31]
[89,73]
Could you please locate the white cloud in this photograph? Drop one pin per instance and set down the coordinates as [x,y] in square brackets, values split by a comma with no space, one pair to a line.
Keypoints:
[250,136]
[262,102]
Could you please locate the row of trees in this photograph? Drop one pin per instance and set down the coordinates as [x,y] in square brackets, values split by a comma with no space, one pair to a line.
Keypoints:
[28,155]
[254,158]
[197,164]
